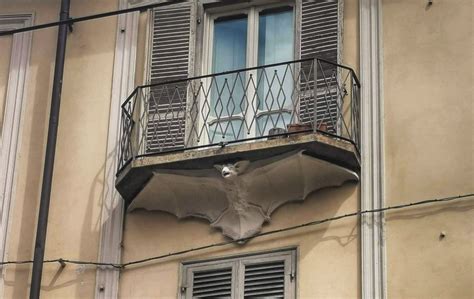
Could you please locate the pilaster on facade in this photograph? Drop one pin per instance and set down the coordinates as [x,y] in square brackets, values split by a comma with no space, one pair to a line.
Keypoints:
[112,208]
[11,130]
[372,168]
[372,188]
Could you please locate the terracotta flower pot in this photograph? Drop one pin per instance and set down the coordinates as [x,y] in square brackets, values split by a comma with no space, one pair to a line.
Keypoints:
[298,127]
[322,127]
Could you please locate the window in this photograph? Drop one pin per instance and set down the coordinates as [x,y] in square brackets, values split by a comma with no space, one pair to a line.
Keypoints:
[255,36]
[269,275]
[231,39]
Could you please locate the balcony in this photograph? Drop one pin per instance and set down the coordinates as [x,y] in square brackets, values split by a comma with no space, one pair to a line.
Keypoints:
[232,147]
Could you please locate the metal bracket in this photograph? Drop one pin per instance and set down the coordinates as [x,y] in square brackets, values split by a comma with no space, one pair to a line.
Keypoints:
[62,263]
[70,26]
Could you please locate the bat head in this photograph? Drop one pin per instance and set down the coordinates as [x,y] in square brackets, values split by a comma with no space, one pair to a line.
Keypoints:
[232,170]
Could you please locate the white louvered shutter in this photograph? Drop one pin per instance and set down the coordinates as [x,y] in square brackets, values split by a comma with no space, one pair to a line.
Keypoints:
[214,283]
[320,35]
[265,280]
[172,48]
[268,275]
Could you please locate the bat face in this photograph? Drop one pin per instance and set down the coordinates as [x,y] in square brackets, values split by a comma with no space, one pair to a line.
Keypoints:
[231,170]
[228,171]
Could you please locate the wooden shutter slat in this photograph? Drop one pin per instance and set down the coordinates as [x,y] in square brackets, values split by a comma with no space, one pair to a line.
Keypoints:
[264,289]
[265,267]
[264,280]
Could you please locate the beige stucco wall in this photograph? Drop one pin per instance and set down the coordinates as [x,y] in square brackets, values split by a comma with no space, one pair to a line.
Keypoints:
[5,45]
[428,97]
[73,229]
[428,129]
[428,124]
[327,254]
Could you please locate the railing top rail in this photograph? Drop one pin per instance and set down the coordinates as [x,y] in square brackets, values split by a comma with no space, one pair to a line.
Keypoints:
[254,68]
[356,79]
[129,98]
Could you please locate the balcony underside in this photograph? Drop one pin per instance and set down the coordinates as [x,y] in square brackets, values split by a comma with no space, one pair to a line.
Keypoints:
[134,177]
[189,183]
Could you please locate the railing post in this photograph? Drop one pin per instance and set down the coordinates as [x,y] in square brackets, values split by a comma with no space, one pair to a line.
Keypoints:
[352,133]
[134,133]
[315,94]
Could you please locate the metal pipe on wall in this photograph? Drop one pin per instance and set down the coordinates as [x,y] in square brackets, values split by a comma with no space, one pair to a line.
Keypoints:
[50,153]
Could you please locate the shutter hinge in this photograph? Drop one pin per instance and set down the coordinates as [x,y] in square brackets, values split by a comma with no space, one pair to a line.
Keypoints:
[183,289]
[292,276]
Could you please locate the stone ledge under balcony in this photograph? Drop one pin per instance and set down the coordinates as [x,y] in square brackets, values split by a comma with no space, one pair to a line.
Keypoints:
[190,183]
[138,172]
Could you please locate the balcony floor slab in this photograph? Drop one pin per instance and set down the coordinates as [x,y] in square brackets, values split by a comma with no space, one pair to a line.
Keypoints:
[133,178]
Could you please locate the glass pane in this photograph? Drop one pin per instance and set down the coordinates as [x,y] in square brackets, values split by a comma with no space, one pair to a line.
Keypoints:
[229,53]
[226,131]
[275,44]
[267,122]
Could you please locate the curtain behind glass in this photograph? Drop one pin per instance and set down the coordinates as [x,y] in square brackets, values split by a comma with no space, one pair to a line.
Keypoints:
[227,91]
[275,87]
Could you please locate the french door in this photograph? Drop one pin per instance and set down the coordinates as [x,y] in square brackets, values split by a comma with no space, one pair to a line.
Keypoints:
[248,104]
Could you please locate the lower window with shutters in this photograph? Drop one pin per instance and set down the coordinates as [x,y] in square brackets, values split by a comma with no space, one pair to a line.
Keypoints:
[264,275]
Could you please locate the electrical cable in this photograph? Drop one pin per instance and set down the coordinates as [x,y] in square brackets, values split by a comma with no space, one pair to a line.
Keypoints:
[71,21]
[63,262]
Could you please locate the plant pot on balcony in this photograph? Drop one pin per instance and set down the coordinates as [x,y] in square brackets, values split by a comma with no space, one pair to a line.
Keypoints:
[322,127]
[276,133]
[292,128]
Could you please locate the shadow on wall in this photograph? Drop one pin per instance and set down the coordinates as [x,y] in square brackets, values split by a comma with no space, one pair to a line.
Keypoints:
[422,212]
[181,234]
[55,276]
[146,231]
[33,168]
[80,52]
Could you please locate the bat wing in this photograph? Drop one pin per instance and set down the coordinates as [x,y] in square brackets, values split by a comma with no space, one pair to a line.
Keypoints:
[291,177]
[184,193]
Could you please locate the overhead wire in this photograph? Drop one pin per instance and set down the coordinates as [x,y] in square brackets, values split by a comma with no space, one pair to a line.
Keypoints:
[120,266]
[71,21]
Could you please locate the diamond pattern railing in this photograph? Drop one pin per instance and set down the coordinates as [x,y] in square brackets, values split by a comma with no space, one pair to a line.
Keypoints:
[241,105]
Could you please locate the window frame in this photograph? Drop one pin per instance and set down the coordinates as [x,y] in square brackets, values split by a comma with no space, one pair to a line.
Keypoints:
[238,263]
[252,11]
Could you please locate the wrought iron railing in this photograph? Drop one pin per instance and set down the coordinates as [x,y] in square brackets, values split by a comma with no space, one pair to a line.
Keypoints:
[239,106]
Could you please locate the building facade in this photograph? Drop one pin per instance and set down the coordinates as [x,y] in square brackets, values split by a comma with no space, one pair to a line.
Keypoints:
[225,139]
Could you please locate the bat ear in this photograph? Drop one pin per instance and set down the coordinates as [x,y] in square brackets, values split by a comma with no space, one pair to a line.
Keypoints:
[218,167]
[241,166]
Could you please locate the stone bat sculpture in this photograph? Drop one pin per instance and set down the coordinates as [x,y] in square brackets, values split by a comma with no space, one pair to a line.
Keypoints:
[239,197]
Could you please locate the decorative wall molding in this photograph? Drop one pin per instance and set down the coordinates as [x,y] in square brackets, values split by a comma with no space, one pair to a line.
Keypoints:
[123,81]
[372,176]
[11,129]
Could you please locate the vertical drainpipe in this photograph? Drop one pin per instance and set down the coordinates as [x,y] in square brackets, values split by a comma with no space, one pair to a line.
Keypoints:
[49,155]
